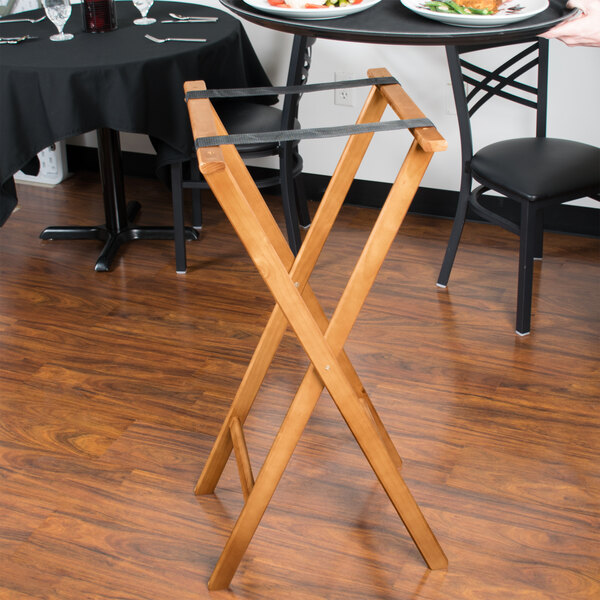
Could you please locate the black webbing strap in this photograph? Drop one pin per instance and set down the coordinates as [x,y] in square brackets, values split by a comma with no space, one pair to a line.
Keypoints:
[291,89]
[266,137]
[309,134]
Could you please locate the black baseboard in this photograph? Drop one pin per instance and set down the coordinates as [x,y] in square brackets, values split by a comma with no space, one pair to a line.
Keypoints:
[577,220]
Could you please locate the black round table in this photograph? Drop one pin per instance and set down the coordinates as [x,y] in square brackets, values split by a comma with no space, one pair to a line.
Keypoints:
[111,82]
[390,22]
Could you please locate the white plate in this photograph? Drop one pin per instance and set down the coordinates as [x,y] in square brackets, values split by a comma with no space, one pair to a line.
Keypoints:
[507,13]
[330,12]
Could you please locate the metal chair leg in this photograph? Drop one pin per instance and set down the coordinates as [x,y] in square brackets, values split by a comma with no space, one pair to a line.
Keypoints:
[455,235]
[300,194]
[178,223]
[288,198]
[526,253]
[196,196]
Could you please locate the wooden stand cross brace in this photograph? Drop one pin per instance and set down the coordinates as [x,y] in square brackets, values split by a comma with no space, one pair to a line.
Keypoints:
[297,306]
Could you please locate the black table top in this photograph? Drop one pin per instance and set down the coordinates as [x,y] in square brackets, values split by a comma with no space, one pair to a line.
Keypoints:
[390,22]
[50,91]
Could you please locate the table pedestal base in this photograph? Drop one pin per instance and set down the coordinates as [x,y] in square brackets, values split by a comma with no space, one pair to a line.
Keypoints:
[113,239]
[119,216]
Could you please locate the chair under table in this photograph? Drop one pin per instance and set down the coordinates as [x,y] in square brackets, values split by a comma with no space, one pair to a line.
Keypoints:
[287,278]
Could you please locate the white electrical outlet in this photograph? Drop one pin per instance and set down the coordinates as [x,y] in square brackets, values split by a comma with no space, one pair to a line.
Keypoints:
[344,96]
[53,166]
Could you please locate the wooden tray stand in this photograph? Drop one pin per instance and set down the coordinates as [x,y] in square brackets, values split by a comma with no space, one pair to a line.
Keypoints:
[296,305]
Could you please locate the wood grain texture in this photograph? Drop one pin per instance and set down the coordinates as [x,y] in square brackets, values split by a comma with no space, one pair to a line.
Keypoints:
[402,104]
[242,456]
[114,385]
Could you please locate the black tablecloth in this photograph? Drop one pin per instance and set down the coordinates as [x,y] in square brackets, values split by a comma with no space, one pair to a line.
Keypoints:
[50,91]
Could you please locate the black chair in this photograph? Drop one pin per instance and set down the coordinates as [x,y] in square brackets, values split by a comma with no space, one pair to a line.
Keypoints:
[536,172]
[246,116]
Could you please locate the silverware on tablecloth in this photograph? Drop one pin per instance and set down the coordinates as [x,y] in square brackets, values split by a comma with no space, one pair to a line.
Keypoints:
[16,40]
[22,20]
[185,21]
[201,19]
[163,40]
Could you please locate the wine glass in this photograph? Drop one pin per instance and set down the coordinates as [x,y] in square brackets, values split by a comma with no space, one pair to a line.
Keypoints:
[58,11]
[143,6]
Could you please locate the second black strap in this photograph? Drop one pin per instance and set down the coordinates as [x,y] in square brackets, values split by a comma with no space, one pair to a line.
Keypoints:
[308,134]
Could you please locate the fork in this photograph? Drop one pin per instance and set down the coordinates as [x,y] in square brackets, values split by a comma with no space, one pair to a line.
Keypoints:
[163,40]
[16,40]
[23,20]
[201,19]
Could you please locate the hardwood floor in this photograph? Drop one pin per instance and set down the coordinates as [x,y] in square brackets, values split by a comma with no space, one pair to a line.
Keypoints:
[113,386]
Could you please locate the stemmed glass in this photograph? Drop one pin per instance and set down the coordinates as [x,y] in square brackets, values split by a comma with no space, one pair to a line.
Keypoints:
[58,11]
[143,6]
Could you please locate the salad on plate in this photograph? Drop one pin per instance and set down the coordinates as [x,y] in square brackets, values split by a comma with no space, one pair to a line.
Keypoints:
[312,9]
[313,3]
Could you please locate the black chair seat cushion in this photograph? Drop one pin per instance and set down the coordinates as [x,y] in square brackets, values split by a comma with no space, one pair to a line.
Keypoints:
[539,169]
[246,117]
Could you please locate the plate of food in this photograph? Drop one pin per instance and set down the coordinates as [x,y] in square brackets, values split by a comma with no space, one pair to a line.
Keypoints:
[312,9]
[477,13]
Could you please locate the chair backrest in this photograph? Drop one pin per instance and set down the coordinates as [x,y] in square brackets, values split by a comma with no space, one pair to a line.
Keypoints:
[504,81]
[300,60]
[252,118]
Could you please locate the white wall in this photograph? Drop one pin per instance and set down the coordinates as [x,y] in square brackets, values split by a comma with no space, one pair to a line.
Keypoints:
[574,101]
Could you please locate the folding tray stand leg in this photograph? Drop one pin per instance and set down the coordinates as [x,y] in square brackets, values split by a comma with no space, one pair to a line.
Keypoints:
[296,305]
